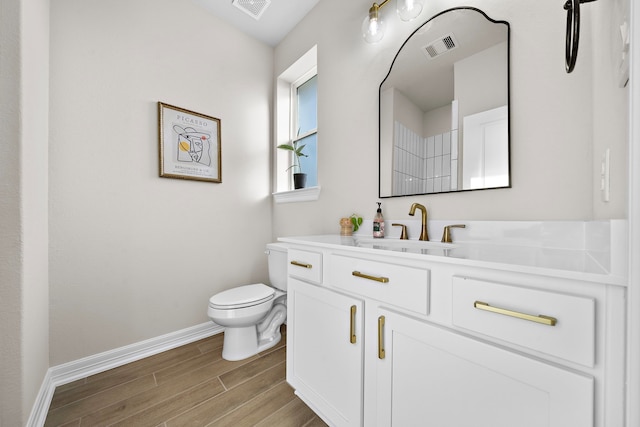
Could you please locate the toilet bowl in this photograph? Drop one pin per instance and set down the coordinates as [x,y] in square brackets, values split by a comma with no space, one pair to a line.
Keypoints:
[252,314]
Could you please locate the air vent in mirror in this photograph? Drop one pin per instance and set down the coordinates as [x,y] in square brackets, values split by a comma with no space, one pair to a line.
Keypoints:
[253,8]
[442,45]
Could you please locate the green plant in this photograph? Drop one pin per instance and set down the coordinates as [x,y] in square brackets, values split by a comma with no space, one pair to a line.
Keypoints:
[356,220]
[297,153]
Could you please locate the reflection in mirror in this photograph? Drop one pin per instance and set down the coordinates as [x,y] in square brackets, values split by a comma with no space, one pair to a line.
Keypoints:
[444,107]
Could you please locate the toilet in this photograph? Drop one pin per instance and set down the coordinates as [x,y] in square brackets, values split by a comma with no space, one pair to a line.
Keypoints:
[252,314]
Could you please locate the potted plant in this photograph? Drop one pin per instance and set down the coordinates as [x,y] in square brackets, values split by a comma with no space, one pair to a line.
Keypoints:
[356,220]
[299,178]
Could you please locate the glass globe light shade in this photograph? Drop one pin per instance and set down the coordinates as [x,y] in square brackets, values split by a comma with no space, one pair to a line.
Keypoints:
[409,9]
[373,28]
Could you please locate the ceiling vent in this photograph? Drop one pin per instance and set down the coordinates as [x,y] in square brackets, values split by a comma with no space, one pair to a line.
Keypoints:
[442,45]
[253,8]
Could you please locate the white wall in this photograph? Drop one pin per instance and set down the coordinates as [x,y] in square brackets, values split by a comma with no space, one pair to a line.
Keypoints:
[479,83]
[406,112]
[437,121]
[34,176]
[551,119]
[610,104]
[134,256]
[10,226]
[24,338]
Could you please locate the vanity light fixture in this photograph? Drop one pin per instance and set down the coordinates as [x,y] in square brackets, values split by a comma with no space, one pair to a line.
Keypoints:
[373,26]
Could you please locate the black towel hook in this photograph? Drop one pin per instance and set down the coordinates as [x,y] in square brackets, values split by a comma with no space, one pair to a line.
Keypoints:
[573,32]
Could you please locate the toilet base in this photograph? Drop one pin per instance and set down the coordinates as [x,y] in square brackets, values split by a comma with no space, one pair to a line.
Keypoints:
[241,343]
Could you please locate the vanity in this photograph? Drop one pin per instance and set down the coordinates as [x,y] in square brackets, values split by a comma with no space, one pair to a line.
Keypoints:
[386,332]
[514,324]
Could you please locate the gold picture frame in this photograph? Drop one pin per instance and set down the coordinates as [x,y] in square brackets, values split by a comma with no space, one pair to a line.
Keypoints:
[190,144]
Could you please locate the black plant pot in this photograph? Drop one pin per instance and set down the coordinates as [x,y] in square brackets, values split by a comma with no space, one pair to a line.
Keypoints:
[299,180]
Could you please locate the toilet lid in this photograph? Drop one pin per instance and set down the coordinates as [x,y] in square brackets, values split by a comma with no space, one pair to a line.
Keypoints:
[242,296]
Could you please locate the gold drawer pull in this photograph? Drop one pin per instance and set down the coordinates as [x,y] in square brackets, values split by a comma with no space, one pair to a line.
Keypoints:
[381,337]
[366,276]
[352,330]
[301,264]
[545,320]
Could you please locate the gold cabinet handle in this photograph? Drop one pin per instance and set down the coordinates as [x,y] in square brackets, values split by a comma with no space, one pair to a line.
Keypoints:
[545,320]
[352,329]
[301,264]
[375,278]
[381,337]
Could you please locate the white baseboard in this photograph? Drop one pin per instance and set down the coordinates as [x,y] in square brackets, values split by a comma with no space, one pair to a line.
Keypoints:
[82,368]
[43,400]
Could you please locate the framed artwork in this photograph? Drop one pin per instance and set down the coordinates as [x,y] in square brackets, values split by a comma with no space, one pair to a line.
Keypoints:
[190,145]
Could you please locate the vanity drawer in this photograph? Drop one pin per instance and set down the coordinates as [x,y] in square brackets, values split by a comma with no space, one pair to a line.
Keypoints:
[400,285]
[305,265]
[556,324]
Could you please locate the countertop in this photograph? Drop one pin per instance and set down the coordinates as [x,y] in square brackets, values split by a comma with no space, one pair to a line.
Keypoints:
[565,263]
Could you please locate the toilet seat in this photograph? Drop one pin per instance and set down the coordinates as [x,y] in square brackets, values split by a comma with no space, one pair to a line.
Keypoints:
[242,297]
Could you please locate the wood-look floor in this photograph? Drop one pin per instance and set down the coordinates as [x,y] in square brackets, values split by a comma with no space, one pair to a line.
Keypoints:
[187,386]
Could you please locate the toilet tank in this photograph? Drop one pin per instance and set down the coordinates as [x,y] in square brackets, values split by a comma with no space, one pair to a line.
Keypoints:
[277,263]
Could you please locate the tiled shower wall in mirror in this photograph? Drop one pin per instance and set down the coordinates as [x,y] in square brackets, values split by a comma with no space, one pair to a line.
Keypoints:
[424,165]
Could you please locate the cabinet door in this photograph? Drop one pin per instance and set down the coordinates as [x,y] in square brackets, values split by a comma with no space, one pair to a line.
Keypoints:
[324,351]
[433,376]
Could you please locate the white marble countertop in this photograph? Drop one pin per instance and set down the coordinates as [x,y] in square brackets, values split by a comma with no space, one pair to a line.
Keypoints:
[574,264]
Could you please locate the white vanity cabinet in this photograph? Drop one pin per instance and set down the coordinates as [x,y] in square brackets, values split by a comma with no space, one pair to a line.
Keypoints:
[324,343]
[433,376]
[441,343]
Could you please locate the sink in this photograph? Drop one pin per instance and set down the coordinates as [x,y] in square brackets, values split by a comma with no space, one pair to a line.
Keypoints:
[414,246]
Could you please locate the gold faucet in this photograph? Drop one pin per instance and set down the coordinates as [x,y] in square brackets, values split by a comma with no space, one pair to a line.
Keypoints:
[446,234]
[424,234]
[403,232]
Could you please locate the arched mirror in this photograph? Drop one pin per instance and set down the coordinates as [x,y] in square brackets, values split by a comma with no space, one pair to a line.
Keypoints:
[444,108]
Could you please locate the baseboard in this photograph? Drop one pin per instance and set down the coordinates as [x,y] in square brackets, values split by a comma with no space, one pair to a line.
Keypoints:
[81,368]
[43,400]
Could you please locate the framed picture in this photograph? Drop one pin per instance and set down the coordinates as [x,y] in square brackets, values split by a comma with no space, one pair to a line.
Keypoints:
[189,144]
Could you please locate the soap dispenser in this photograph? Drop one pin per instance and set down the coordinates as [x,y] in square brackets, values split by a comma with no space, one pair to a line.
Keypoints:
[378,223]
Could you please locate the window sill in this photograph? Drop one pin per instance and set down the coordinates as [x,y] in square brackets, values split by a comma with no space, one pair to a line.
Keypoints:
[300,195]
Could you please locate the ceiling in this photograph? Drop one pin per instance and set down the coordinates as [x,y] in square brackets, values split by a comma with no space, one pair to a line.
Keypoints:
[277,20]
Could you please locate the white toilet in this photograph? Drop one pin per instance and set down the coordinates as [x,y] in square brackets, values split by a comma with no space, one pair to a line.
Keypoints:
[252,314]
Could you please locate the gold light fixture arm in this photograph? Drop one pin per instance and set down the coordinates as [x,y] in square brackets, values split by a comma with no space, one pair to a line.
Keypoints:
[373,25]
[377,6]
[374,10]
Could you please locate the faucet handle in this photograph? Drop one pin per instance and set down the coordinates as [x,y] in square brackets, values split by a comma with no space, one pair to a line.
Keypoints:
[403,233]
[446,235]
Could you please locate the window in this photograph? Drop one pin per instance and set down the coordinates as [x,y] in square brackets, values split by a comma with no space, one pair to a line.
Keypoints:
[305,121]
[297,124]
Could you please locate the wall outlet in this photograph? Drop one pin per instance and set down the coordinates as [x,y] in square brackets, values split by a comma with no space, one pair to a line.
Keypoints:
[604,175]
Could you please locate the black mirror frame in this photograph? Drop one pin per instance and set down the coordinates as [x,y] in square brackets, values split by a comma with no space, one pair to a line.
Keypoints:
[508,103]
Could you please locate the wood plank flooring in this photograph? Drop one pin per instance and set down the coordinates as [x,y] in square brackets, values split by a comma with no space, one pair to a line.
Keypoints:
[187,386]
